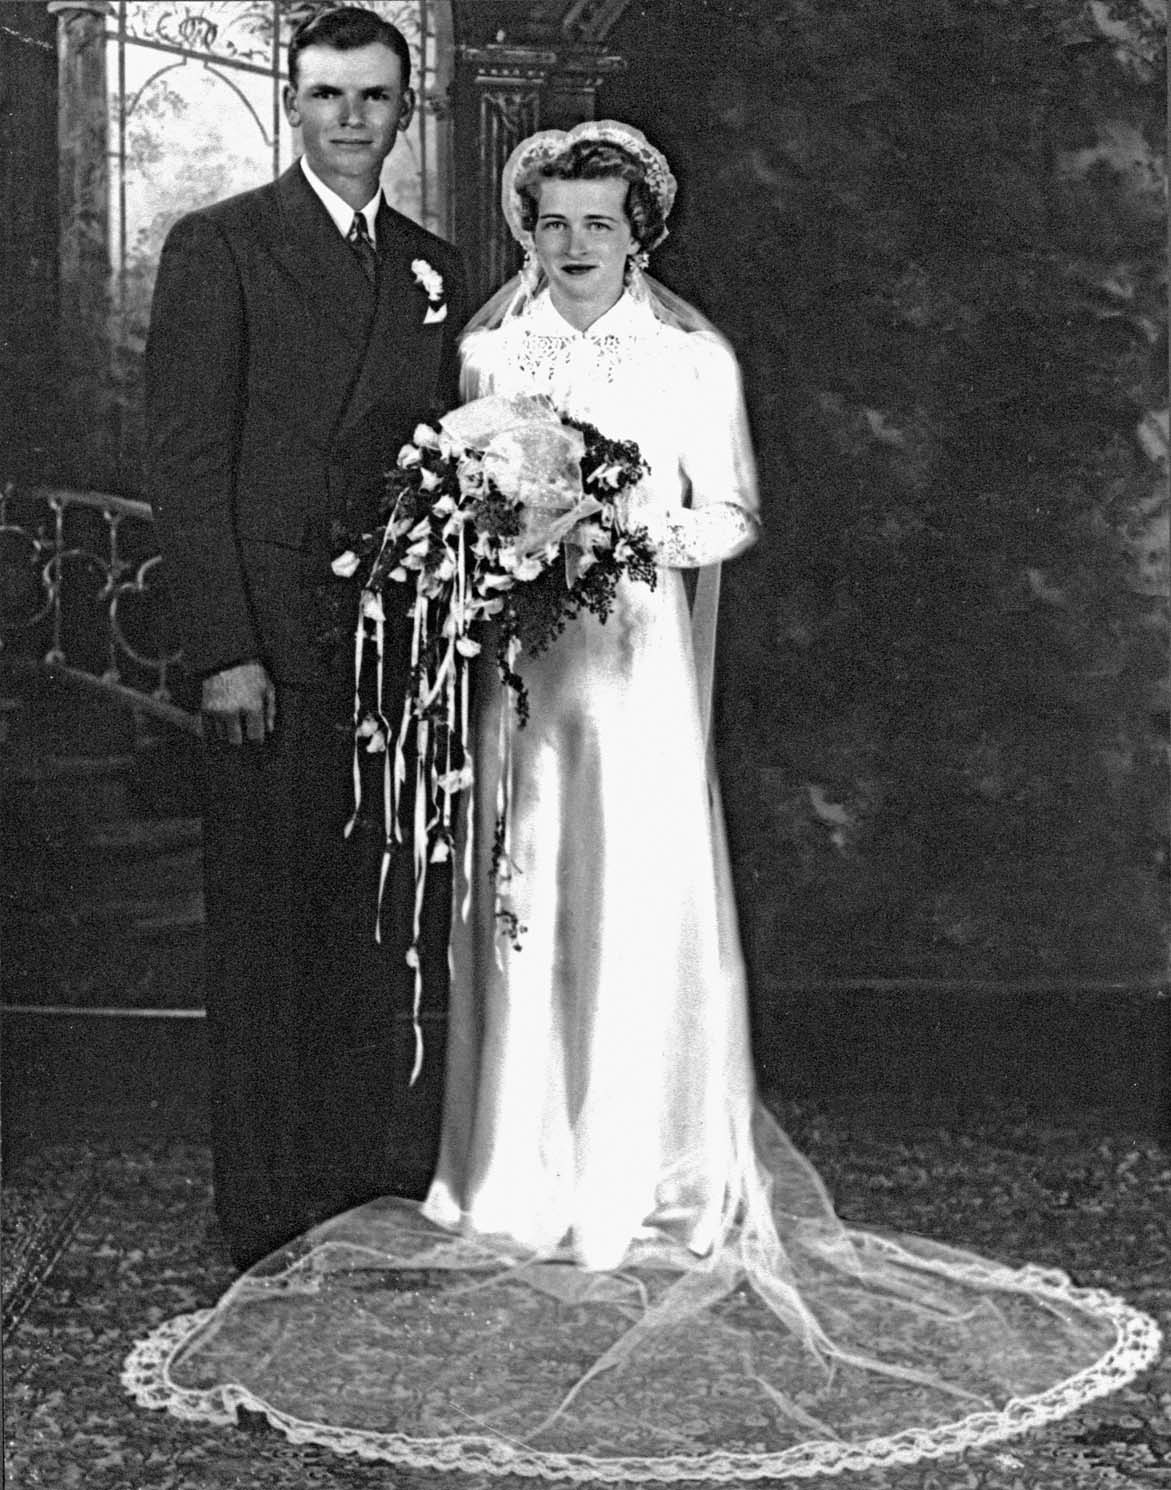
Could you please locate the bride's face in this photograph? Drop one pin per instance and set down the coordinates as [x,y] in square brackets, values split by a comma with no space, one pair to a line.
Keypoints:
[582,239]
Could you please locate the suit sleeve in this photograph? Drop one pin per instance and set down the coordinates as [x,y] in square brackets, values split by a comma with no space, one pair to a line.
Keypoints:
[195,402]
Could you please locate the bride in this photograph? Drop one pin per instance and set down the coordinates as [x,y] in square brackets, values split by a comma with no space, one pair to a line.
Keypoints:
[623,1268]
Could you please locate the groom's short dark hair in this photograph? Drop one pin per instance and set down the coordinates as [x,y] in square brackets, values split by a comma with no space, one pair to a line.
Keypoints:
[346,27]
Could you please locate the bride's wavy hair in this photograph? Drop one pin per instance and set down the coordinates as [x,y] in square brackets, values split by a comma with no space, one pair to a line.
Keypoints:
[597,160]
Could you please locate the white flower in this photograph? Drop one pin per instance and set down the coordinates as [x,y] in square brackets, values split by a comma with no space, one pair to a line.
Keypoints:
[372,606]
[610,475]
[425,437]
[428,479]
[470,475]
[589,535]
[455,781]
[345,566]
[466,647]
[371,731]
[409,456]
[430,279]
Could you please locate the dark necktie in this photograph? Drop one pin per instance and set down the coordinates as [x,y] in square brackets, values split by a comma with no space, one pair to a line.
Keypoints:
[364,251]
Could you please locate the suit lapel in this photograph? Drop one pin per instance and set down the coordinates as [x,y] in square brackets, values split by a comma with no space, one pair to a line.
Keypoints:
[380,335]
[309,246]
[396,327]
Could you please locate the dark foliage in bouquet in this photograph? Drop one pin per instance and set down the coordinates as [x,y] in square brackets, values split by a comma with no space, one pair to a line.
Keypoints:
[462,525]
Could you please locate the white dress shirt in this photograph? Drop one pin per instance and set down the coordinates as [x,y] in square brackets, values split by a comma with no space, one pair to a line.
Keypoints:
[340,210]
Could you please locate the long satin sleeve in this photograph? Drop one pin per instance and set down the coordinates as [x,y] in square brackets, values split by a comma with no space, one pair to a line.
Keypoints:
[721,519]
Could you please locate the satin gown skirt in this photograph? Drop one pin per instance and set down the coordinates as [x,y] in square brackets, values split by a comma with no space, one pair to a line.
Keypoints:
[598,1065]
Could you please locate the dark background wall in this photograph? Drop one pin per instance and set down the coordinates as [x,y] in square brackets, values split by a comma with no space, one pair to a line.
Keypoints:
[936,235]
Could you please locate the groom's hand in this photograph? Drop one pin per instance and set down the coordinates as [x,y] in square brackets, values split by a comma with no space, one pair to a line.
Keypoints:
[239,704]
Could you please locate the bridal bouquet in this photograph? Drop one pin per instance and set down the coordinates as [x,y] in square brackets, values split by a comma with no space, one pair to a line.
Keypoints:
[507,514]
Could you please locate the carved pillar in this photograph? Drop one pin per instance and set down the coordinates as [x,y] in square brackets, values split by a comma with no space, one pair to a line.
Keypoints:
[499,104]
[572,89]
[84,200]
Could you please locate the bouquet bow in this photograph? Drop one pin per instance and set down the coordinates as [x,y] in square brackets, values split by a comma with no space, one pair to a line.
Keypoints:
[533,459]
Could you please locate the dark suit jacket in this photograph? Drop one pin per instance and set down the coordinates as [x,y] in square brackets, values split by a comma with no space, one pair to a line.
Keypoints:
[279,387]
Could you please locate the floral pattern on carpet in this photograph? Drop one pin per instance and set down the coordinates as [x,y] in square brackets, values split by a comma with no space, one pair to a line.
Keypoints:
[143,1247]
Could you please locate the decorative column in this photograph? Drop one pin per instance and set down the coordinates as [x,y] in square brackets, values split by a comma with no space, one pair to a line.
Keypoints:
[84,202]
[499,104]
[572,90]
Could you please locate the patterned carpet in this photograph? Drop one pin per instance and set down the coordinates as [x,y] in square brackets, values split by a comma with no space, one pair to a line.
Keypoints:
[102,1241]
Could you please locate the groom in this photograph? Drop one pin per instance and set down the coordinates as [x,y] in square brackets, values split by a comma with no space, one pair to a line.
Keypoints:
[298,334]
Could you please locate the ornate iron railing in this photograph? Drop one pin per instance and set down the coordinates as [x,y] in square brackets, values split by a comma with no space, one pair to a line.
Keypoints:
[79,596]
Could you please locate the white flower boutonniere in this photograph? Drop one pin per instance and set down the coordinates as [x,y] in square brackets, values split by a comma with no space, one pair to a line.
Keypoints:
[431,282]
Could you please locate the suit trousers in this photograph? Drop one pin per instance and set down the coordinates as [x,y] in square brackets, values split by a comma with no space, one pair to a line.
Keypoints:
[309,1037]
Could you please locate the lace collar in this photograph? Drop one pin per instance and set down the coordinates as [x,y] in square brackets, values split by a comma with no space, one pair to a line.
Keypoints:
[625,318]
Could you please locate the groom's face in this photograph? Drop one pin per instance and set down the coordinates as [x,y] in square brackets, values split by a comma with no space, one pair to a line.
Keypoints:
[349,107]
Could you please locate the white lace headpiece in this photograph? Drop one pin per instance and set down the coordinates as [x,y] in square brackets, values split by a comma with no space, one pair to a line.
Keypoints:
[513,298]
[547,145]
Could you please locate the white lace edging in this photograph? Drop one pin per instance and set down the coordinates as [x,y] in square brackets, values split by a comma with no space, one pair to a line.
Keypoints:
[145,1376]
[694,536]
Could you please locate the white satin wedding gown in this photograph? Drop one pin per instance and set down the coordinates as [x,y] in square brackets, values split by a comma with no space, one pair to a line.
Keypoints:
[624,1270]
[598,1075]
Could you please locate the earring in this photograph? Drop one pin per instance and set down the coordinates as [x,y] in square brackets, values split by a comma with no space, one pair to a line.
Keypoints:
[635,264]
